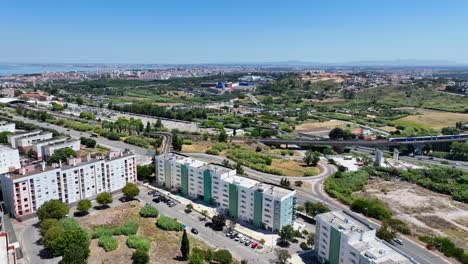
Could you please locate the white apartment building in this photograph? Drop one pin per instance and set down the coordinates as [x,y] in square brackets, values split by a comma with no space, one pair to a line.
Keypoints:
[7,127]
[39,146]
[9,159]
[12,138]
[49,149]
[342,239]
[25,140]
[27,189]
[241,198]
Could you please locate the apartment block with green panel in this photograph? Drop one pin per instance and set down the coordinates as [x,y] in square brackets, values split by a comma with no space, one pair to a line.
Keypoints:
[184,179]
[233,200]
[207,186]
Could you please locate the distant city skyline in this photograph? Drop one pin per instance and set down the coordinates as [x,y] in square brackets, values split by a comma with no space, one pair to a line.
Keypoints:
[191,32]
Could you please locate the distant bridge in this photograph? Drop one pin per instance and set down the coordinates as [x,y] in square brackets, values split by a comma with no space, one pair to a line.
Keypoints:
[373,143]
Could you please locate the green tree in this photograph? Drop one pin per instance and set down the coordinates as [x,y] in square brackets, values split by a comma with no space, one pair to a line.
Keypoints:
[386,233]
[311,157]
[75,254]
[52,209]
[104,198]
[239,168]
[83,206]
[46,224]
[282,256]
[286,233]
[130,190]
[53,239]
[222,137]
[314,209]
[140,257]
[185,246]
[145,172]
[4,137]
[61,155]
[177,142]
[219,221]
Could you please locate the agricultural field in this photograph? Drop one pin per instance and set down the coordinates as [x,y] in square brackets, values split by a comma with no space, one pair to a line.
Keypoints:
[165,245]
[431,119]
[319,126]
[426,212]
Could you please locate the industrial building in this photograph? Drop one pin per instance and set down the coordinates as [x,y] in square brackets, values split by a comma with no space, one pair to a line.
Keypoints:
[342,239]
[263,205]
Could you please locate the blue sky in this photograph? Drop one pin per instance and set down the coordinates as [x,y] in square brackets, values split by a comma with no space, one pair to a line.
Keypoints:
[210,31]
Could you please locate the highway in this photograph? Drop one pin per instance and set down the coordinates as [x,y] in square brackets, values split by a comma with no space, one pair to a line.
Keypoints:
[419,253]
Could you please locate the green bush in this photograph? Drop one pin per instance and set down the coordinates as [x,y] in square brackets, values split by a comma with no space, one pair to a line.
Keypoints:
[309,173]
[398,225]
[168,224]
[108,243]
[371,207]
[342,185]
[129,228]
[137,242]
[447,247]
[304,246]
[101,231]
[149,211]
[212,151]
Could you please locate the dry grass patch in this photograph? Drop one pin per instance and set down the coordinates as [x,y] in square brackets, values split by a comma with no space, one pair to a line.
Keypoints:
[165,245]
[291,167]
[197,147]
[427,212]
[435,119]
[317,126]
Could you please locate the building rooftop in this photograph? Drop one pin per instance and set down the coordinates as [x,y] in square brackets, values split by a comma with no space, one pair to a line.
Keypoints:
[42,167]
[5,148]
[218,169]
[378,252]
[344,222]
[50,140]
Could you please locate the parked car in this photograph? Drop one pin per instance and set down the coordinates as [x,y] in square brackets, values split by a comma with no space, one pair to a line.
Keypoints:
[156,200]
[248,242]
[156,195]
[398,241]
[254,245]
[233,235]
[171,204]
[228,234]
[151,192]
[208,224]
[242,240]
[193,230]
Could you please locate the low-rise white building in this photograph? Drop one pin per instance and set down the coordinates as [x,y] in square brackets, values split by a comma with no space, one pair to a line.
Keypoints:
[260,204]
[27,189]
[9,159]
[26,140]
[49,149]
[342,239]
[38,147]
[7,127]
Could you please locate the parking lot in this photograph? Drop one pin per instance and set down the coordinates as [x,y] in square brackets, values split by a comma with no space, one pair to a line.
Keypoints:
[218,239]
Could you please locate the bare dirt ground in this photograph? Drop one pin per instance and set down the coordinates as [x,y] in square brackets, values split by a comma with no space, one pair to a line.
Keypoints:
[164,245]
[425,211]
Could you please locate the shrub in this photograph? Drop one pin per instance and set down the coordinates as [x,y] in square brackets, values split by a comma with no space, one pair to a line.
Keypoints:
[398,225]
[101,231]
[140,257]
[138,243]
[371,207]
[108,243]
[222,256]
[129,228]
[304,246]
[149,211]
[168,224]
[212,151]
[309,173]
